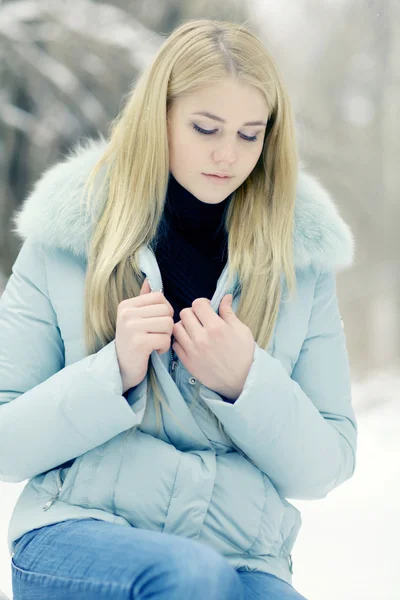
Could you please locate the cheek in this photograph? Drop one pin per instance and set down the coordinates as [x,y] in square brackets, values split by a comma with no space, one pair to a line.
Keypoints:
[185,159]
[258,154]
[246,164]
[251,160]
[182,148]
[177,142]
[176,156]
[189,156]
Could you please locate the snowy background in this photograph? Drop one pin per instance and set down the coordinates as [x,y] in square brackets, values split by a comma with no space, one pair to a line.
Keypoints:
[348,546]
[64,69]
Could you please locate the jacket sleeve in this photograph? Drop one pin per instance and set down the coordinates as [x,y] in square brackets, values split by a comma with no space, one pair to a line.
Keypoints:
[300,430]
[49,413]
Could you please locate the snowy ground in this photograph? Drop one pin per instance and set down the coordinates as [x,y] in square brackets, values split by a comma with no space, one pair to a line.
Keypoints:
[347,548]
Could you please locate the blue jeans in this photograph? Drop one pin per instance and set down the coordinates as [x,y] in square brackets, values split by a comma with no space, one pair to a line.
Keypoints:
[89,559]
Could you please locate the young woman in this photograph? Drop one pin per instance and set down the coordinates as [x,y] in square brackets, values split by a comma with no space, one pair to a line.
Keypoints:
[172,358]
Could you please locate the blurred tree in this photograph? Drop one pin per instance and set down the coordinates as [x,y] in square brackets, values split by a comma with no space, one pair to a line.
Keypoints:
[65,69]
[344,81]
[389,117]
[164,16]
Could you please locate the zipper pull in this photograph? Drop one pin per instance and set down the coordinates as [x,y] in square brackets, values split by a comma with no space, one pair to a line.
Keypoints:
[51,502]
[59,484]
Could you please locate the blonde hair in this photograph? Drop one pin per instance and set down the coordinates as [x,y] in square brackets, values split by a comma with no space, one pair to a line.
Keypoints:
[135,168]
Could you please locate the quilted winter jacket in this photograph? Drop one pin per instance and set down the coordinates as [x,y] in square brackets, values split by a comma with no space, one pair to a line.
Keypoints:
[66,427]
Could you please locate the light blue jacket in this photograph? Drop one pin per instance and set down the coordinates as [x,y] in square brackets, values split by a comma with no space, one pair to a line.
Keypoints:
[292,431]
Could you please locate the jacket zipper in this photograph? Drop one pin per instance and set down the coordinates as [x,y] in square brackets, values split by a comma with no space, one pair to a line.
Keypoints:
[59,481]
[60,484]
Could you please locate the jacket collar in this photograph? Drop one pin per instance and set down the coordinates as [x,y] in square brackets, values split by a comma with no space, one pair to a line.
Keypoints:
[52,213]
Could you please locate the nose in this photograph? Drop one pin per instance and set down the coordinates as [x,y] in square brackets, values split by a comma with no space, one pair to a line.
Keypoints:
[225,152]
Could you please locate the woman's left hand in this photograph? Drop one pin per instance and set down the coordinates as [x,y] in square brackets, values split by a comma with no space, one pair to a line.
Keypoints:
[216,349]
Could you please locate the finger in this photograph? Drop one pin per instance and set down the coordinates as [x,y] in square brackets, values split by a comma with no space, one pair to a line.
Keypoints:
[190,323]
[147,289]
[205,313]
[181,334]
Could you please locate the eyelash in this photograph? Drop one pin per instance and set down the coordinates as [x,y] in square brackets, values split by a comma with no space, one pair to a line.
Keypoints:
[206,132]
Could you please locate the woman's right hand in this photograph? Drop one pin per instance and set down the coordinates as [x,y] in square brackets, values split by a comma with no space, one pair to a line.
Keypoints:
[144,324]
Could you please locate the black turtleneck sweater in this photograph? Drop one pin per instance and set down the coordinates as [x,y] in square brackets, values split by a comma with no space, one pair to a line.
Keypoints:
[191,246]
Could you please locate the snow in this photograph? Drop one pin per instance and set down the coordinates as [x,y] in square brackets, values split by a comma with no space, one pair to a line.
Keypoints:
[347,548]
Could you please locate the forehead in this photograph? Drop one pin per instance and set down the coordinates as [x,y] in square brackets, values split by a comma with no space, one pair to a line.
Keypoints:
[228,99]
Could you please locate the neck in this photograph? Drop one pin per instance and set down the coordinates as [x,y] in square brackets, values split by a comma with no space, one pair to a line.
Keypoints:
[188,213]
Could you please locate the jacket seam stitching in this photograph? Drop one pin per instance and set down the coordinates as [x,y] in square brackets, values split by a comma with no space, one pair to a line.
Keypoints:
[47,294]
[172,492]
[261,518]
[126,436]
[45,270]
[312,305]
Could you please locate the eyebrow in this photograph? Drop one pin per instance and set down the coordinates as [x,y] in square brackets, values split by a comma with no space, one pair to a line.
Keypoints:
[215,118]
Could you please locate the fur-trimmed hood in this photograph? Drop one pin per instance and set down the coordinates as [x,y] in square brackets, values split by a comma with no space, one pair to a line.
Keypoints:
[52,213]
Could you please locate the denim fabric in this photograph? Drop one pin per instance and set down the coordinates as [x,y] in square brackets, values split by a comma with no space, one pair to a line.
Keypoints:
[89,559]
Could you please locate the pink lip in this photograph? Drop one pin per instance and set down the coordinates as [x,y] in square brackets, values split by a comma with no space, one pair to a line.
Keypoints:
[216,178]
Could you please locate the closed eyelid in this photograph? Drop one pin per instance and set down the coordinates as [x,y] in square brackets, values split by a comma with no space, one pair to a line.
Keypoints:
[238,131]
[221,127]
[248,138]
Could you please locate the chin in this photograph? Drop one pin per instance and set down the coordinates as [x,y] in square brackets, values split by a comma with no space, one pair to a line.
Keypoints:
[212,200]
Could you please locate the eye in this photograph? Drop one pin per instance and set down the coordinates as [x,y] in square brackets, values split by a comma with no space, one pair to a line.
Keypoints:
[207,132]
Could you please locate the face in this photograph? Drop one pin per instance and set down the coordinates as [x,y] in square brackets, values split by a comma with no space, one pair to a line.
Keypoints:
[222,142]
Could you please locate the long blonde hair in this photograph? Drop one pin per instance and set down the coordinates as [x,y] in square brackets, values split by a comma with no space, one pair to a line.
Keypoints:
[135,171]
